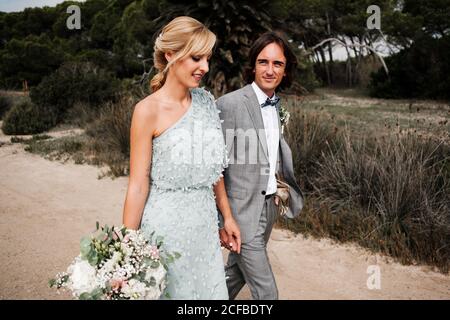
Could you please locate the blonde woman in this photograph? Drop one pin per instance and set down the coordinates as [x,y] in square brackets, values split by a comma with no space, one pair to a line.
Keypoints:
[177,157]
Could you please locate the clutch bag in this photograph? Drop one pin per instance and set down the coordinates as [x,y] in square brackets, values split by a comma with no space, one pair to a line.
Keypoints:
[283,195]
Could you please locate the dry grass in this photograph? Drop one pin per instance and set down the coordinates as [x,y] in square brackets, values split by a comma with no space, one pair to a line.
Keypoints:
[110,135]
[366,115]
[371,172]
[387,189]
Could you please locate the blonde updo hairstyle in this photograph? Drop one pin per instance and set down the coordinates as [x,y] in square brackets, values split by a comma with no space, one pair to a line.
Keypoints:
[184,36]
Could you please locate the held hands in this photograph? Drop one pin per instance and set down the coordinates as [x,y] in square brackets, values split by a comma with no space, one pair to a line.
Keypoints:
[230,235]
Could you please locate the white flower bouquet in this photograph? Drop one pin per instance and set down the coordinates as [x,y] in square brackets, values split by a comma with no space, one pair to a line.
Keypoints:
[117,264]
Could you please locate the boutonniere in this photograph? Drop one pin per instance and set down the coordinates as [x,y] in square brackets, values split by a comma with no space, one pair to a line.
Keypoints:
[284,117]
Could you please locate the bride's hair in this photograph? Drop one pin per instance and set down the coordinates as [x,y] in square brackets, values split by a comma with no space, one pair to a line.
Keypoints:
[183,36]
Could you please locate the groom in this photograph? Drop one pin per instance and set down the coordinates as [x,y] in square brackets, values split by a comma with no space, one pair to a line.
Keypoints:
[257,150]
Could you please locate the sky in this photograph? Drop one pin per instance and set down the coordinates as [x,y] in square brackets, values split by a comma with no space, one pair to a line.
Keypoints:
[19,5]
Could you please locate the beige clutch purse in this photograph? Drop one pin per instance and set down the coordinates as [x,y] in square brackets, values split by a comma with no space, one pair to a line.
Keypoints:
[282,196]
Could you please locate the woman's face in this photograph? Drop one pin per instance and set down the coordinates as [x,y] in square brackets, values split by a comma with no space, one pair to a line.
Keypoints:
[190,70]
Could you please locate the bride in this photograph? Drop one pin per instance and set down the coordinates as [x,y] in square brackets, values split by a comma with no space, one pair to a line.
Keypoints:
[177,156]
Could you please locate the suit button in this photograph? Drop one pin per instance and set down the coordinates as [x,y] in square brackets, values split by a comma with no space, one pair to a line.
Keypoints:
[263,192]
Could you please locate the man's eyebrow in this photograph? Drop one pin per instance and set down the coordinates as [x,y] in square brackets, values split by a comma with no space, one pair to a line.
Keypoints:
[265,60]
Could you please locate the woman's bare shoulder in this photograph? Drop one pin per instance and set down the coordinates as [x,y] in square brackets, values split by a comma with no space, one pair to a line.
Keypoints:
[147,107]
[145,115]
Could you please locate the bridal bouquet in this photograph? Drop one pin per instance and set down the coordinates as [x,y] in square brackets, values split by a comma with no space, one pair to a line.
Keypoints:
[117,264]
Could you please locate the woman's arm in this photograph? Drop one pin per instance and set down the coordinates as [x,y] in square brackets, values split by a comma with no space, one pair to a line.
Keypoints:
[141,134]
[222,199]
[229,232]
[231,228]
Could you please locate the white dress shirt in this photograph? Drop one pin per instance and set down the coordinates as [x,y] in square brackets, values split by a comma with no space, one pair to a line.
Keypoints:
[270,119]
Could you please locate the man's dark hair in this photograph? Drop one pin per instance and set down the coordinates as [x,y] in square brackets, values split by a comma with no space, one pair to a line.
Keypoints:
[260,43]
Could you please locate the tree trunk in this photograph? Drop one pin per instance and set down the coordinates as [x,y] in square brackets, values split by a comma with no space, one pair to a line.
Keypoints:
[327,70]
[316,57]
[354,48]
[320,44]
[330,53]
[349,75]
[330,48]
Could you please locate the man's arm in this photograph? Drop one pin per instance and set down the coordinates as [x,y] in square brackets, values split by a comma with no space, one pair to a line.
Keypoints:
[226,114]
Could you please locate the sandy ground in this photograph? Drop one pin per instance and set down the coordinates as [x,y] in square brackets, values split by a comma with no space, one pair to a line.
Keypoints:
[47,206]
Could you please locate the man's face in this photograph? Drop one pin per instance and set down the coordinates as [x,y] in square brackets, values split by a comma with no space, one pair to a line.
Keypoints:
[270,68]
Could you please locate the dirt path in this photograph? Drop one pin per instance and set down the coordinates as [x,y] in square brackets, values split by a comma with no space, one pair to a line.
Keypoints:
[47,206]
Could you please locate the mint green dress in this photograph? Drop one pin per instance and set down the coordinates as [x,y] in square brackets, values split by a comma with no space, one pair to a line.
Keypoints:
[188,159]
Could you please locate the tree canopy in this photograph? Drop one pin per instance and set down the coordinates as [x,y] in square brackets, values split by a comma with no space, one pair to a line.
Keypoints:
[118,35]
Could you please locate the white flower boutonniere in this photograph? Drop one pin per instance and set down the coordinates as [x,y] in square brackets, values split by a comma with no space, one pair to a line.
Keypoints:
[284,117]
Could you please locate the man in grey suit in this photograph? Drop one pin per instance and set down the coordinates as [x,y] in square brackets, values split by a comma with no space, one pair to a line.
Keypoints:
[257,150]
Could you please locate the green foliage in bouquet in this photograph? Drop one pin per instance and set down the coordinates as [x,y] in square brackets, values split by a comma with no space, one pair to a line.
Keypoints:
[116,264]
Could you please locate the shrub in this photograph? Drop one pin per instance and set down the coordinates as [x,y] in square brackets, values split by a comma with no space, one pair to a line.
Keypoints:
[111,135]
[420,71]
[27,118]
[74,82]
[30,59]
[5,104]
[309,134]
[401,180]
[389,192]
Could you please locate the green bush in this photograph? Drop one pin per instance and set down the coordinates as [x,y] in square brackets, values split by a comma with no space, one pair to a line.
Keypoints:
[399,180]
[5,105]
[388,192]
[309,135]
[420,71]
[27,118]
[30,59]
[74,82]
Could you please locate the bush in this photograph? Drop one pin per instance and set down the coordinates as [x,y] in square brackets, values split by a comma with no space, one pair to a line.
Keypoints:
[309,135]
[403,182]
[74,82]
[420,71]
[5,105]
[60,149]
[27,118]
[30,59]
[111,135]
[306,81]
[388,192]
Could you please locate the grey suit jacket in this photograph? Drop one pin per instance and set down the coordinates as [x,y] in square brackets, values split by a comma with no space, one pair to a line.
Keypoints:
[246,177]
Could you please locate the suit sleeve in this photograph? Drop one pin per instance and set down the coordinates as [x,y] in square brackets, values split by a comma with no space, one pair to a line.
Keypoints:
[227,117]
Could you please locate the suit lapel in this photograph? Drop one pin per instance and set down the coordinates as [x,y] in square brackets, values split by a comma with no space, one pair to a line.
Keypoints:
[251,102]
[280,159]
[278,117]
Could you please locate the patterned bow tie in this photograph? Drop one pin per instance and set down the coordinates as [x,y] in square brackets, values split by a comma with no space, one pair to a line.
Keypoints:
[270,102]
